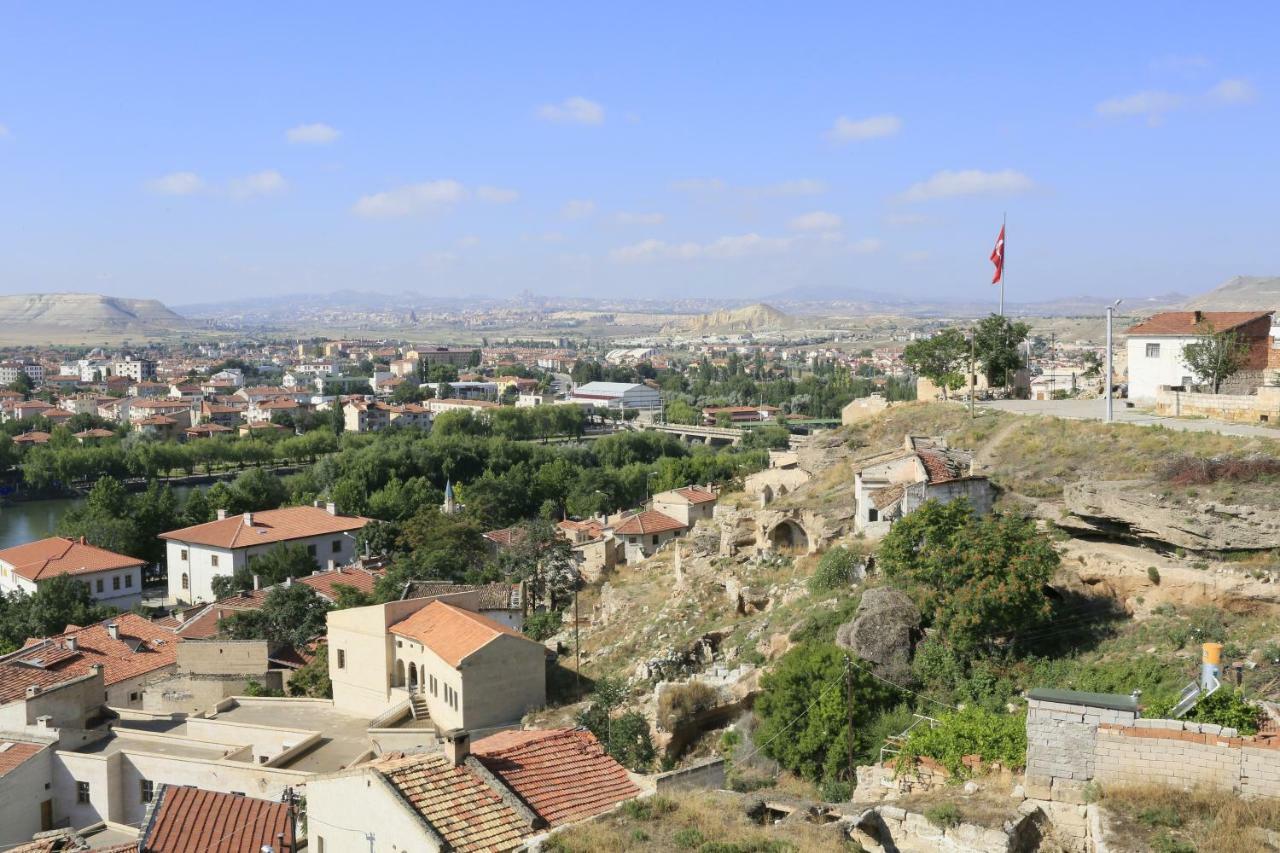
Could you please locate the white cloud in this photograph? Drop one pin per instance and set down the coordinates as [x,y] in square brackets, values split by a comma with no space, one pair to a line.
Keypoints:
[1234,91]
[629,218]
[1152,105]
[410,199]
[724,248]
[855,130]
[177,183]
[267,182]
[866,246]
[818,220]
[318,133]
[496,195]
[575,110]
[949,184]
[578,208]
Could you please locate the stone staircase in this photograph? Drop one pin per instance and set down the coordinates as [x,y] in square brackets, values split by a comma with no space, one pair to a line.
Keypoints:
[418,707]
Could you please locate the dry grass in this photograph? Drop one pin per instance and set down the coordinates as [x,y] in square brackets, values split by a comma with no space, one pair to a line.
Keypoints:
[689,822]
[1162,819]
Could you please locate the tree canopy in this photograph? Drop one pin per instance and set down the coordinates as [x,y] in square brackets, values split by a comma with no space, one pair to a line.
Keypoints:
[1216,356]
[941,359]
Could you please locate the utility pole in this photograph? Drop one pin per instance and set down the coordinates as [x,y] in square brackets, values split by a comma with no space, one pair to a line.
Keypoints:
[973,351]
[1111,310]
[848,680]
[577,645]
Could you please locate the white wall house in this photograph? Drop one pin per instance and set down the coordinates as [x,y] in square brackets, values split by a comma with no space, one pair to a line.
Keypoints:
[196,555]
[1154,346]
[114,579]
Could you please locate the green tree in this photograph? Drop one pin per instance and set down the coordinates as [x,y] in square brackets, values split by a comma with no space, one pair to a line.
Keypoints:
[1215,356]
[680,412]
[998,341]
[804,712]
[58,602]
[974,578]
[292,614]
[941,359]
[312,679]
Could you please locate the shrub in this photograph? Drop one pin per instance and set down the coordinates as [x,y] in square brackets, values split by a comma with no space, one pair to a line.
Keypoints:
[972,731]
[837,569]
[543,625]
[648,808]
[689,838]
[681,704]
[1153,574]
[945,815]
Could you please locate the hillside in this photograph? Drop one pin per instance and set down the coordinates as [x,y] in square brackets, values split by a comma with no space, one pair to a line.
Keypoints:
[1242,293]
[753,318]
[82,316]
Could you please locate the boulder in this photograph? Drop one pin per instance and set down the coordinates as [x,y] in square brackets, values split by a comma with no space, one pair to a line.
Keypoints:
[882,632]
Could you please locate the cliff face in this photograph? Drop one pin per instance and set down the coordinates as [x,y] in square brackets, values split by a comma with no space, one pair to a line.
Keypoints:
[753,318]
[86,312]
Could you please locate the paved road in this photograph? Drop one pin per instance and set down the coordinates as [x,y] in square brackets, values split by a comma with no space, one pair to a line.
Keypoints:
[1093,410]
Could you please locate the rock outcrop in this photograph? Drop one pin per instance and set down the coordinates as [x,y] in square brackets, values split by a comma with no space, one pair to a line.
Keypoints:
[1135,509]
[882,632]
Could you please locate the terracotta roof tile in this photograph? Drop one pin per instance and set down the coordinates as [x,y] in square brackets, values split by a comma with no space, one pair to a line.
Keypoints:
[452,633]
[58,555]
[14,753]
[326,583]
[696,494]
[563,774]
[1188,322]
[273,525]
[646,522]
[193,820]
[466,812]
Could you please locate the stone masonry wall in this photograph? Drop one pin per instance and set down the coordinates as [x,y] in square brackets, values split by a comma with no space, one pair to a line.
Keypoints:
[1252,408]
[1060,739]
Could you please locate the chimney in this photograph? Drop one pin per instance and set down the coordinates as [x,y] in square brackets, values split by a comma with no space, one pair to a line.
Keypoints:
[44,721]
[113,630]
[1199,315]
[331,508]
[257,581]
[33,691]
[222,515]
[288,582]
[95,669]
[333,565]
[73,643]
[248,519]
[82,540]
[457,746]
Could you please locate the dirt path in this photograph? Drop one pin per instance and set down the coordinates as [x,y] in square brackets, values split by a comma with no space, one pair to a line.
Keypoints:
[987,454]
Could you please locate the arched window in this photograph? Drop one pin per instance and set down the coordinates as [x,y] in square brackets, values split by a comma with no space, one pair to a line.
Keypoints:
[186,581]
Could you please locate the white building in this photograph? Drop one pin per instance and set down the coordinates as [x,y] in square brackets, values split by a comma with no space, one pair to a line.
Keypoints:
[196,555]
[11,370]
[114,579]
[617,395]
[1154,347]
[137,369]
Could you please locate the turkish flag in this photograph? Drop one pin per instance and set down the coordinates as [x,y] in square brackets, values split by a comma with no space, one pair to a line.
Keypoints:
[997,257]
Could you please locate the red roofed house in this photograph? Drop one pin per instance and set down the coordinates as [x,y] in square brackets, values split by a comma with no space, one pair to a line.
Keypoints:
[193,820]
[643,533]
[26,807]
[196,555]
[1154,349]
[688,504]
[112,578]
[463,669]
[890,485]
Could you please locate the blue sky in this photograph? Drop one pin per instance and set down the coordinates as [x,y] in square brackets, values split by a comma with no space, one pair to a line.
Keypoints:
[194,152]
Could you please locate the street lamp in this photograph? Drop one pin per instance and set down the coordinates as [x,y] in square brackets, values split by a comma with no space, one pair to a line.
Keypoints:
[1111,311]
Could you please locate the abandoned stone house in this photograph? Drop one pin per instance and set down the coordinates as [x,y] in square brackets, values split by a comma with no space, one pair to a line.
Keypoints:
[895,484]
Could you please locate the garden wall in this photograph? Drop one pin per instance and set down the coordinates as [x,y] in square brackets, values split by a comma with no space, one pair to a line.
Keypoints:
[1263,406]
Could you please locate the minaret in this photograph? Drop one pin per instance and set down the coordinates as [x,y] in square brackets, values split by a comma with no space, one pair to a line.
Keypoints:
[449,507]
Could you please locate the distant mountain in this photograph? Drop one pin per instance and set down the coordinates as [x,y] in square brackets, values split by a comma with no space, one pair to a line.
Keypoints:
[62,314]
[835,294]
[1242,293]
[753,318]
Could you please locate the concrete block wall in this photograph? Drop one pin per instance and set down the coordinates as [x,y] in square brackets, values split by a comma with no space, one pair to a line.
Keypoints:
[1060,738]
[1177,757]
[1252,408]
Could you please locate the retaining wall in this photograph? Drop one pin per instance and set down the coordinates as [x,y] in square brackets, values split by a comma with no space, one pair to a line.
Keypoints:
[1263,406]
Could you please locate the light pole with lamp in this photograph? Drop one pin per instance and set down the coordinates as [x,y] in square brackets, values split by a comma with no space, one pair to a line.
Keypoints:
[1111,311]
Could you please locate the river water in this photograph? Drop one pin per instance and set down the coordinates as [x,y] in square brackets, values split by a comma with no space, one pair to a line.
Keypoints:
[27,521]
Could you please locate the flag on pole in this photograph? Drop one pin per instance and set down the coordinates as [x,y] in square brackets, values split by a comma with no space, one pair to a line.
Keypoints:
[997,257]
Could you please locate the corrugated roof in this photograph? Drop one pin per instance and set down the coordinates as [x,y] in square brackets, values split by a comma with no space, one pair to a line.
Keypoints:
[58,555]
[466,812]
[563,774]
[452,633]
[193,820]
[272,525]
[1189,322]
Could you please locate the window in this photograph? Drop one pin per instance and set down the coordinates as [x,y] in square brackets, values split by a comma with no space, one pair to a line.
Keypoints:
[337,545]
[213,561]
[342,659]
[115,581]
[148,790]
[182,555]
[128,581]
[1153,350]
[873,514]
[435,685]
[655,541]
[82,792]
[311,550]
[99,585]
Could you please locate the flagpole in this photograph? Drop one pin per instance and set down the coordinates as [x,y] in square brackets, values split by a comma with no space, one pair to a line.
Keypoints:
[1004,259]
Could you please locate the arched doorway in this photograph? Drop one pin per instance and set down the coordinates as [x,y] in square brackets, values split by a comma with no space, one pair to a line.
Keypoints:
[399,676]
[787,535]
[413,678]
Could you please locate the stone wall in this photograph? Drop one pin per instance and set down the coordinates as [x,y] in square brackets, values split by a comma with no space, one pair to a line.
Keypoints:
[1061,737]
[708,774]
[1263,406]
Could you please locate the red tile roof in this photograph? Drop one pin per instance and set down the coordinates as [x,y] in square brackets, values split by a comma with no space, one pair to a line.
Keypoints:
[1189,322]
[563,774]
[696,494]
[193,820]
[649,521]
[507,536]
[273,525]
[467,813]
[58,555]
[14,753]
[452,633]
[143,647]
[326,583]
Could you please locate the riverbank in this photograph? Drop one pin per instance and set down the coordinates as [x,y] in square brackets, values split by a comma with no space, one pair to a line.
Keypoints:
[12,492]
